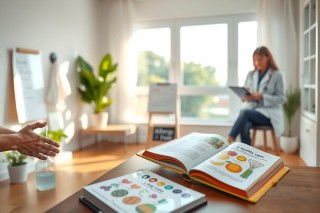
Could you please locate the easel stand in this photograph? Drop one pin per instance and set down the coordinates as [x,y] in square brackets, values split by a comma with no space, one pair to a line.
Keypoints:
[163,101]
[151,126]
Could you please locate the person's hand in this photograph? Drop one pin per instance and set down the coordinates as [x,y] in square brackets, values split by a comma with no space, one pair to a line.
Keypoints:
[246,98]
[256,96]
[32,144]
[253,97]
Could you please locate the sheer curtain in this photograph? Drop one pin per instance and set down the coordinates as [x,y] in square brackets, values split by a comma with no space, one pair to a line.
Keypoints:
[277,29]
[120,24]
[278,22]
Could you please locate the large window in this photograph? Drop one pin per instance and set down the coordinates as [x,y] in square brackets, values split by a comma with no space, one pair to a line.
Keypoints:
[203,56]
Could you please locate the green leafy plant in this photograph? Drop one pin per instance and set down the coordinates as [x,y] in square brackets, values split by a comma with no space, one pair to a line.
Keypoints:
[56,135]
[291,106]
[95,88]
[15,158]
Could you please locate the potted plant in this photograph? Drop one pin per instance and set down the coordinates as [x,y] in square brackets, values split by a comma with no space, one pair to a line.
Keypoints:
[94,88]
[288,141]
[17,167]
[56,135]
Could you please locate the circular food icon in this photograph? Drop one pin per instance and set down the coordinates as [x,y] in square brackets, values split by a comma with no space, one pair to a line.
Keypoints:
[161,183]
[169,187]
[177,191]
[217,163]
[186,195]
[153,180]
[146,208]
[241,158]
[223,156]
[130,200]
[233,167]
[119,193]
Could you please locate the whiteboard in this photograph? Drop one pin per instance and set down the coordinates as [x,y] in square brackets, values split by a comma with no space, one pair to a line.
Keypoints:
[28,86]
[163,97]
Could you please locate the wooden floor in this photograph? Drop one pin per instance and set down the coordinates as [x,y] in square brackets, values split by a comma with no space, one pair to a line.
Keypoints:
[86,166]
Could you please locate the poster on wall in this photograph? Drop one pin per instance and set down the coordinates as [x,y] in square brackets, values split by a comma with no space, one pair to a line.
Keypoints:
[28,83]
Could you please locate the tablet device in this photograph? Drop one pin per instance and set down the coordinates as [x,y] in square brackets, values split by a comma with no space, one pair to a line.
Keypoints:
[240,91]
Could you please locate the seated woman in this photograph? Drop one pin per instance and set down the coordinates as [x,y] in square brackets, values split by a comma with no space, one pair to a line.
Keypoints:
[264,105]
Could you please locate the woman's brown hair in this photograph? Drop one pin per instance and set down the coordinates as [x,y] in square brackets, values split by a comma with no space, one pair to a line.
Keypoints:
[263,51]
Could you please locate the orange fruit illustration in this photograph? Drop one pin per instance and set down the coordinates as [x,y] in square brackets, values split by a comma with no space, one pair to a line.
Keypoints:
[233,167]
[241,158]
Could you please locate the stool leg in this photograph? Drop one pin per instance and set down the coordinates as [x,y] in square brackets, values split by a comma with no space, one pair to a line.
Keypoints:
[265,140]
[253,139]
[275,143]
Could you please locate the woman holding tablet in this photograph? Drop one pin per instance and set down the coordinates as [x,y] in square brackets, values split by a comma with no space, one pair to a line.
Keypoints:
[264,104]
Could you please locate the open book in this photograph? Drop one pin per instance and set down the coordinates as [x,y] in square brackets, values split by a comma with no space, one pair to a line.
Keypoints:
[237,168]
[141,191]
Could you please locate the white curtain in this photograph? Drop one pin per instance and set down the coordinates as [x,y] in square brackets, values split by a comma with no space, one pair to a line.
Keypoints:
[120,26]
[277,30]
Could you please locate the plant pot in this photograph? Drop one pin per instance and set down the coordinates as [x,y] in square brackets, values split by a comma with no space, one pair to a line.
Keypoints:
[289,144]
[100,120]
[18,174]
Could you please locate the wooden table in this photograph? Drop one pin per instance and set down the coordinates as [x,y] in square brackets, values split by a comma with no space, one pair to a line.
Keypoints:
[297,191]
[117,129]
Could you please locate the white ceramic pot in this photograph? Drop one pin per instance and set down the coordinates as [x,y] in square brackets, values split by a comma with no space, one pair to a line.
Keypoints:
[18,174]
[289,144]
[100,119]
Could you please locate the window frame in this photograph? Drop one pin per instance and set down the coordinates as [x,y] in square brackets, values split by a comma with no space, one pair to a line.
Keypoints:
[175,72]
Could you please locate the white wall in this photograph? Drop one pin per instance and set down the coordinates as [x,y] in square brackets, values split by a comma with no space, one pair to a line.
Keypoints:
[67,28]
[167,9]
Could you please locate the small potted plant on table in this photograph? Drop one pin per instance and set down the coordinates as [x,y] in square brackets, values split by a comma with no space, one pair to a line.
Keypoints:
[17,167]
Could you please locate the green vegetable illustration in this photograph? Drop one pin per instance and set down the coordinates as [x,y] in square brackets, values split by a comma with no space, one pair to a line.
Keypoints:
[253,164]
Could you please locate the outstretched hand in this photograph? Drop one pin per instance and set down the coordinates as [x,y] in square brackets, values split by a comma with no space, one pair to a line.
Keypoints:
[32,144]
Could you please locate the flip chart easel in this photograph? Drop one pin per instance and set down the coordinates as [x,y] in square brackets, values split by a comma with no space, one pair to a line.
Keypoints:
[28,84]
[162,101]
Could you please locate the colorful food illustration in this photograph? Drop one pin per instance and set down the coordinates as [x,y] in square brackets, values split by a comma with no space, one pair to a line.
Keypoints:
[253,165]
[231,153]
[154,196]
[119,193]
[126,181]
[130,200]
[233,167]
[106,188]
[116,185]
[241,158]
[161,183]
[146,208]
[223,156]
[217,163]
[135,186]
[215,142]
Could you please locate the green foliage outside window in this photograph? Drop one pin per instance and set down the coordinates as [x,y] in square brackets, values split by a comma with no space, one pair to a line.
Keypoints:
[153,68]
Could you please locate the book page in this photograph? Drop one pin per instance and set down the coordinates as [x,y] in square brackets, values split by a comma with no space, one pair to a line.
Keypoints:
[240,165]
[191,149]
